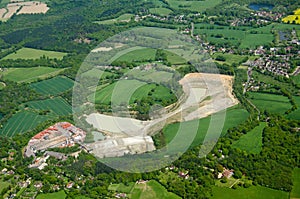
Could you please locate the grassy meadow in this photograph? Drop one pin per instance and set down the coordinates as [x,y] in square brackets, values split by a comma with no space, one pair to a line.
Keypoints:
[55,195]
[198,6]
[252,141]
[121,18]
[30,53]
[295,193]
[29,74]
[160,11]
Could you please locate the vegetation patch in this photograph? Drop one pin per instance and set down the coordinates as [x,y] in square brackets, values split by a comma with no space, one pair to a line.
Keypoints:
[293,19]
[56,195]
[295,193]
[234,117]
[270,102]
[53,86]
[160,11]
[257,192]
[31,53]
[295,115]
[254,40]
[29,74]
[122,18]
[252,141]
[140,55]
[198,6]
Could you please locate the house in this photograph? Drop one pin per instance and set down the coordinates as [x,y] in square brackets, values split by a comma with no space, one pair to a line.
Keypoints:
[227,173]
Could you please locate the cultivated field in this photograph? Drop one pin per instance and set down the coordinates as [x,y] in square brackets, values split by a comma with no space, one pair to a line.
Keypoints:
[55,195]
[30,53]
[295,193]
[253,192]
[33,7]
[234,117]
[255,40]
[53,86]
[122,18]
[29,74]
[97,73]
[295,18]
[22,122]
[140,55]
[252,141]
[56,106]
[270,102]
[152,74]
[160,11]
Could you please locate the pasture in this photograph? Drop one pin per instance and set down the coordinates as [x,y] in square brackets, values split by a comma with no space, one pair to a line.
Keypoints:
[295,114]
[232,58]
[234,117]
[160,11]
[254,40]
[257,192]
[121,187]
[97,73]
[152,75]
[55,195]
[31,53]
[121,18]
[22,122]
[139,55]
[53,86]
[270,102]
[56,106]
[198,6]
[295,193]
[252,141]
[29,74]
[129,91]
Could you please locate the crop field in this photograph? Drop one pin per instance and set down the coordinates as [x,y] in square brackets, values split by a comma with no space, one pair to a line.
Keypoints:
[175,59]
[22,122]
[234,117]
[97,73]
[134,89]
[57,106]
[152,74]
[198,6]
[252,141]
[160,11]
[55,195]
[255,40]
[29,74]
[295,193]
[152,190]
[30,53]
[295,18]
[270,102]
[53,86]
[255,192]
[140,55]
[122,18]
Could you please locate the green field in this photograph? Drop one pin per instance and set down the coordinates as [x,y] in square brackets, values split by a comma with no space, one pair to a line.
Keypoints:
[121,187]
[122,18]
[152,75]
[3,185]
[254,40]
[30,53]
[253,192]
[252,141]
[29,74]
[198,6]
[56,195]
[160,11]
[57,106]
[234,116]
[232,58]
[140,55]
[152,190]
[129,91]
[295,114]
[53,86]
[270,102]
[295,193]
[22,122]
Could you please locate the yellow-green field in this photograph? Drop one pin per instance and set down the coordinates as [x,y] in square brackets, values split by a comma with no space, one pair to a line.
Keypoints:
[295,18]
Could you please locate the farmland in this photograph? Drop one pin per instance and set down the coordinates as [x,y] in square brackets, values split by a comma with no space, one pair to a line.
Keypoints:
[234,116]
[257,192]
[122,18]
[29,74]
[97,73]
[252,141]
[293,19]
[21,122]
[232,58]
[295,193]
[55,195]
[198,6]
[152,74]
[53,86]
[160,11]
[270,102]
[255,40]
[296,113]
[30,53]
[140,55]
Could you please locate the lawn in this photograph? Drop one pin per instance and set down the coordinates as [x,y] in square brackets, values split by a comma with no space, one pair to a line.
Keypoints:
[151,190]
[121,18]
[53,86]
[30,53]
[129,91]
[234,117]
[55,195]
[253,192]
[29,74]
[57,106]
[295,193]
[272,103]
[252,141]
[160,11]
[22,122]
